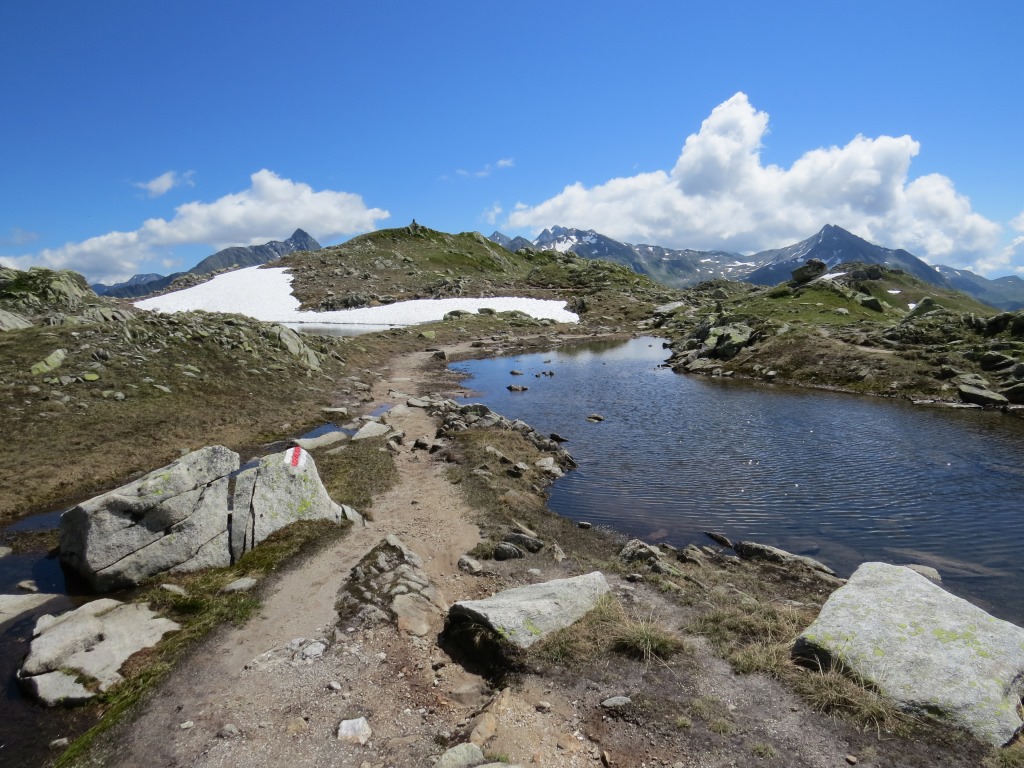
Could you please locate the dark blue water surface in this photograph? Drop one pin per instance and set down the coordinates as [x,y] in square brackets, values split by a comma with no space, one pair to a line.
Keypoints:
[843,478]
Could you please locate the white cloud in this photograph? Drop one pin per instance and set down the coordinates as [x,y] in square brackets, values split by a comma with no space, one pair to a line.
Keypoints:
[19,237]
[491,214]
[1017,222]
[505,162]
[720,195]
[165,182]
[271,208]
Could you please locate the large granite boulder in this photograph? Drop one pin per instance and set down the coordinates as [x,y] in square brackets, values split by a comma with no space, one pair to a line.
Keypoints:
[176,517]
[282,489]
[930,651]
[980,396]
[524,615]
[92,641]
[811,269]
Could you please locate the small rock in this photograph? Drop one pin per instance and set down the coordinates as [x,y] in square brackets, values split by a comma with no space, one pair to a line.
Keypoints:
[186,725]
[174,589]
[469,565]
[505,551]
[517,388]
[719,538]
[28,585]
[243,584]
[615,702]
[297,725]
[354,731]
[543,706]
[595,418]
[514,372]
[851,759]
[460,756]
[228,731]
[60,743]
[584,525]
[334,685]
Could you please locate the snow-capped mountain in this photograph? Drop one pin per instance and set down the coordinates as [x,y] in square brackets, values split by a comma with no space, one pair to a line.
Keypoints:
[678,268]
[834,245]
[1003,292]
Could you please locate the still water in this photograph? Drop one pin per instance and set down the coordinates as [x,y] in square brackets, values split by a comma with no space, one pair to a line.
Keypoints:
[842,478]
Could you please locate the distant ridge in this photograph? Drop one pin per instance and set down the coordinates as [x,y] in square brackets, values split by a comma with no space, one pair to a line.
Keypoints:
[832,245]
[233,257]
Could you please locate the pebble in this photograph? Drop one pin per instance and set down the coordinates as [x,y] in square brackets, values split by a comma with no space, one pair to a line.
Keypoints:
[334,685]
[28,585]
[354,731]
[186,725]
[851,759]
[60,743]
[228,731]
[543,706]
[174,589]
[584,525]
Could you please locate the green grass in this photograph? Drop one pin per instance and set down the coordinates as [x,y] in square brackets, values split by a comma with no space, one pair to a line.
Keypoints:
[357,473]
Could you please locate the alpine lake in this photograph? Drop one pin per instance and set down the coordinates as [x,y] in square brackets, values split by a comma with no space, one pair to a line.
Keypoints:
[842,478]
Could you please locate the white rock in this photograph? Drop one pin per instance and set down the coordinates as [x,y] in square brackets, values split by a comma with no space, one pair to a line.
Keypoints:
[354,731]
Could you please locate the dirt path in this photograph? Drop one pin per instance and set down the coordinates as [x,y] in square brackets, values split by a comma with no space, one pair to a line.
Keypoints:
[287,713]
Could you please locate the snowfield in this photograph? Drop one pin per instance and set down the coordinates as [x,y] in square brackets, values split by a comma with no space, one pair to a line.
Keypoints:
[266,294]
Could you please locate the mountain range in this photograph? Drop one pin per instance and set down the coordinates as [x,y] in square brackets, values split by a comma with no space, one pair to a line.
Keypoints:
[833,245]
[234,257]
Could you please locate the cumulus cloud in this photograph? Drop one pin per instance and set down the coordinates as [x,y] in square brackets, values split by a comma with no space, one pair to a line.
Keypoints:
[721,195]
[165,182]
[491,214]
[271,208]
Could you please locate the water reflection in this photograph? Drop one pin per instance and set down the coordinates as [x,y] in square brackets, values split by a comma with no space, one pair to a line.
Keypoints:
[839,477]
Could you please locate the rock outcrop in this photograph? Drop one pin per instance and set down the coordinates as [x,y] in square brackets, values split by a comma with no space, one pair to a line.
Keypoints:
[930,651]
[92,641]
[178,518]
[524,615]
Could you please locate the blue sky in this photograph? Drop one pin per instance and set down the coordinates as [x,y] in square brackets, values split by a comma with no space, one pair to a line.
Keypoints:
[140,136]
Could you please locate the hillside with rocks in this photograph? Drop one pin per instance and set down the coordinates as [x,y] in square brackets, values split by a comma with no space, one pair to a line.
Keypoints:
[397,592]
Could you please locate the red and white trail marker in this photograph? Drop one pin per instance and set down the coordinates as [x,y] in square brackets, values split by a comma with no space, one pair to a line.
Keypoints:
[295,457]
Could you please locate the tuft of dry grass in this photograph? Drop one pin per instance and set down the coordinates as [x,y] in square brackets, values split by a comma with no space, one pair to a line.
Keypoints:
[609,629]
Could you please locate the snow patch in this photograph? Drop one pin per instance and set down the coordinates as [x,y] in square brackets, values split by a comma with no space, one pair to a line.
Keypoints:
[266,294]
[894,291]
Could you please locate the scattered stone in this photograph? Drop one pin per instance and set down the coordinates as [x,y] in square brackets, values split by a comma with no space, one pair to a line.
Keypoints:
[851,759]
[584,525]
[751,550]
[521,540]
[354,731]
[440,355]
[50,363]
[60,743]
[616,702]
[514,372]
[811,269]
[188,724]
[371,429]
[928,650]
[469,565]
[719,538]
[243,584]
[524,615]
[980,396]
[174,589]
[28,585]
[594,418]
[543,706]
[229,731]
[484,728]
[516,388]
[461,756]
[503,550]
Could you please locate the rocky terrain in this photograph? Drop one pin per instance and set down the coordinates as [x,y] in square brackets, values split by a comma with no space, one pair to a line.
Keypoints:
[449,627]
